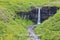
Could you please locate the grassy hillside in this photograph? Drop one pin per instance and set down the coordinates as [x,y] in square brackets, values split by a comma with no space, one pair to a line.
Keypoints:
[11,26]
[22,5]
[50,29]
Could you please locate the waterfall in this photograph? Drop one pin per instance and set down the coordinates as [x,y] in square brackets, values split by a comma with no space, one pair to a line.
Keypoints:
[38,21]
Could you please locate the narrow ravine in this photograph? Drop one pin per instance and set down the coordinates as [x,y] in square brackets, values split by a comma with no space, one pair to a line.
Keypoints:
[32,35]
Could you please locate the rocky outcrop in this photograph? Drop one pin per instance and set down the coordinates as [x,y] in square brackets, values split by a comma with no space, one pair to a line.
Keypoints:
[46,12]
[32,15]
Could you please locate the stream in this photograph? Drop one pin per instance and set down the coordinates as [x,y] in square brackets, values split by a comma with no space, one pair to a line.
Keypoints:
[32,35]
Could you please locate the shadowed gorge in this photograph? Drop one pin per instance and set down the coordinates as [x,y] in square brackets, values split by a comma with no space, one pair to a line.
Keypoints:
[45,13]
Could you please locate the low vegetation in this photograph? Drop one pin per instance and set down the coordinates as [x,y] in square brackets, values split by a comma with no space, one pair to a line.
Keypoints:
[14,28]
[49,29]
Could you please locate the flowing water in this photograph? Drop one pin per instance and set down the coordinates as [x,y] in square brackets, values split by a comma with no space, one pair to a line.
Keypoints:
[32,35]
[38,21]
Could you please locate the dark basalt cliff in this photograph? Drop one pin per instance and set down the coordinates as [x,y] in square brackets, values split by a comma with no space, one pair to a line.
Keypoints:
[45,13]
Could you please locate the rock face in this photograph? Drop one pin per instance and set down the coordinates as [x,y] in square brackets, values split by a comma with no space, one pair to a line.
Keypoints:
[46,12]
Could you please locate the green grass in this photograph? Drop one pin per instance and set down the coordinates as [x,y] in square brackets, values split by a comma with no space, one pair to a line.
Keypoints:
[22,5]
[11,26]
[12,29]
[49,29]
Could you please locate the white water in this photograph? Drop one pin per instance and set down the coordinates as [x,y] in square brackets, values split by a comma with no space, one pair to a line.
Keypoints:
[32,35]
[38,21]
